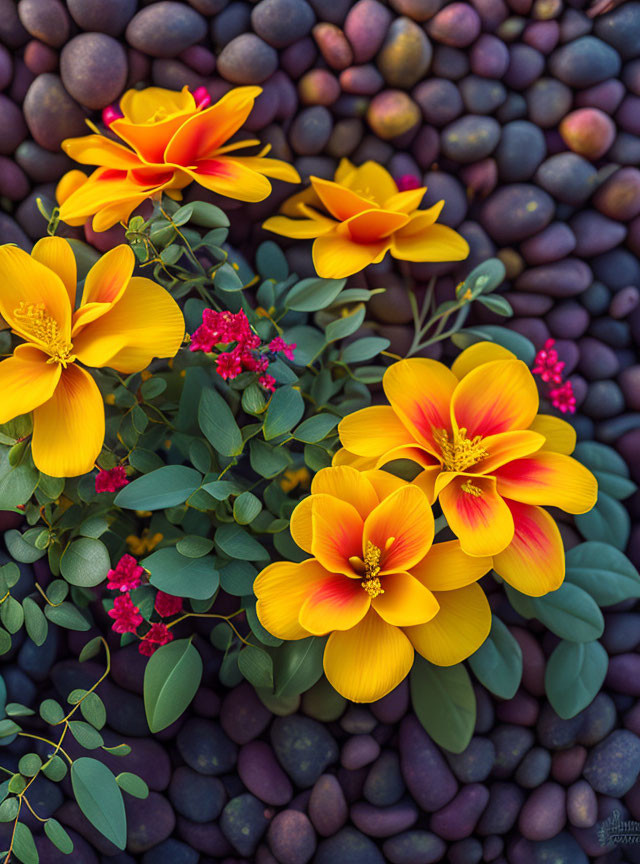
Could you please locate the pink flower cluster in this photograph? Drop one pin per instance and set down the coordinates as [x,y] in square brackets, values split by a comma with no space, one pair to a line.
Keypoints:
[551,369]
[112,479]
[225,328]
[125,577]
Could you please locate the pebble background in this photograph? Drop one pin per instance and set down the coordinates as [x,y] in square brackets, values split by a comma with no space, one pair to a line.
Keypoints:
[525,116]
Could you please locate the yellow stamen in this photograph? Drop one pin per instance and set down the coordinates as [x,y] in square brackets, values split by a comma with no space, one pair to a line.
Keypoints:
[39,325]
[371,582]
[471,489]
[462,452]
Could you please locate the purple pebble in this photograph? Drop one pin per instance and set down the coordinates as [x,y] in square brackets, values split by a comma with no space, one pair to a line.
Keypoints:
[429,778]
[262,775]
[458,818]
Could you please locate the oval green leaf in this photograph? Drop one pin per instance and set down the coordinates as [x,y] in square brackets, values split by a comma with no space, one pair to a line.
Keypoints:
[171,680]
[100,799]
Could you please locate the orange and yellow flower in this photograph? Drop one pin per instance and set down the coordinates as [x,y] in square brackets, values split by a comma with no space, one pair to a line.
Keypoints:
[123,321]
[169,142]
[486,454]
[375,583]
[365,217]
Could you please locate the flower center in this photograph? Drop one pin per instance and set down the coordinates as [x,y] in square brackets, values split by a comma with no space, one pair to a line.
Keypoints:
[36,321]
[461,452]
[371,582]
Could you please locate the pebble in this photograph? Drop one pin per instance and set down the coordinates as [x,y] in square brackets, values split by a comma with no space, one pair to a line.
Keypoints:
[515,212]
[612,767]
[414,847]
[569,177]
[242,715]
[384,785]
[102,16]
[619,196]
[247,59]
[595,233]
[262,775]
[392,113]
[620,28]
[303,747]
[511,743]
[503,807]
[582,805]
[46,20]
[405,55]
[457,25]
[93,67]
[383,821]
[585,62]
[328,809]
[205,747]
[547,102]
[243,822]
[358,751]
[428,777]
[149,821]
[291,837]
[348,846]
[51,114]
[311,130]
[439,100]
[521,149]
[282,22]
[588,131]
[13,129]
[196,796]
[165,29]
[475,762]
[365,27]
[470,138]
[489,56]
[544,812]
[458,818]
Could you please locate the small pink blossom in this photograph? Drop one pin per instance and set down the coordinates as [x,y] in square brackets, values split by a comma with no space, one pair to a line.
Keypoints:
[229,364]
[547,365]
[201,95]
[159,634]
[267,382]
[563,398]
[222,328]
[278,344]
[126,576]
[127,616]
[111,113]
[407,181]
[167,605]
[111,479]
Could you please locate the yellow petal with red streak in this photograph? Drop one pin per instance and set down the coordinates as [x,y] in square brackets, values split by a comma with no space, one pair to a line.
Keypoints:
[477,514]
[533,563]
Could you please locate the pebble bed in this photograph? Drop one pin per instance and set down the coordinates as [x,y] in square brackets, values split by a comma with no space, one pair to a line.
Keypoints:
[525,116]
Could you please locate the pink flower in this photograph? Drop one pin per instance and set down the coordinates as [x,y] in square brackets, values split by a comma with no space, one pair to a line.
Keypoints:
[222,327]
[112,479]
[201,95]
[254,362]
[407,181]
[167,605]
[268,382]
[126,575]
[563,398]
[159,634]
[111,113]
[278,344]
[547,365]
[127,616]
[229,364]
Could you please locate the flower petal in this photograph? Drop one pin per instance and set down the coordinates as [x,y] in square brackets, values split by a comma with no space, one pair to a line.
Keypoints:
[301,525]
[276,169]
[300,229]
[402,527]
[383,482]
[433,243]
[373,431]
[146,317]
[496,397]
[505,447]
[142,106]
[458,630]
[549,478]
[374,225]
[479,518]
[229,176]
[420,392]
[476,355]
[102,151]
[406,202]
[57,254]
[404,601]
[26,381]
[336,256]
[370,180]
[344,457]
[306,197]
[337,603]
[367,662]
[533,563]
[426,480]
[105,284]
[281,589]
[348,485]
[68,429]
[25,282]
[446,567]
[200,136]
[560,435]
[414,453]
[337,534]
[341,202]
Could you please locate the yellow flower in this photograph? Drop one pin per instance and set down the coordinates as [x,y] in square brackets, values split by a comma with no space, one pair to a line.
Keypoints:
[123,321]
[144,544]
[486,453]
[295,477]
[374,583]
[171,141]
[367,217]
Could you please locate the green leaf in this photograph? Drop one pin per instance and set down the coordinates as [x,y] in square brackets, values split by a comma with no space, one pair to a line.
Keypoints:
[194,546]
[266,460]
[364,349]
[9,809]
[11,615]
[218,424]
[221,489]
[309,341]
[93,710]
[603,572]
[85,562]
[57,591]
[132,784]
[298,665]
[520,602]
[85,734]
[610,469]
[55,769]
[343,327]
[180,576]
[91,649]
[23,846]
[29,764]
[497,304]
[67,615]
[34,621]
[165,487]
[271,262]
[118,750]
[15,709]
[171,680]
[316,428]
[20,548]
[497,664]
[5,641]
[608,522]
[570,613]
[309,295]
[484,278]
[8,727]
[237,578]
[286,408]
[201,213]
[236,542]
[246,507]
[256,666]
[58,836]
[100,799]
[444,702]
[574,675]
[51,711]
[18,483]
[226,279]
